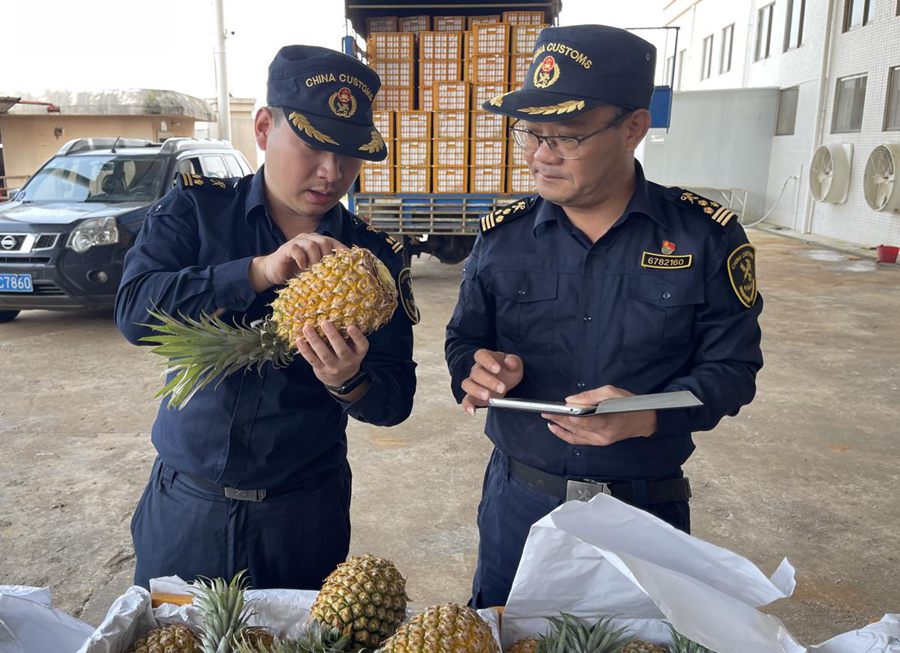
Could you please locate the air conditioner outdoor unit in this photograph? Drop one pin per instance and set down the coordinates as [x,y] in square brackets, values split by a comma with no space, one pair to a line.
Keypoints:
[829,173]
[880,183]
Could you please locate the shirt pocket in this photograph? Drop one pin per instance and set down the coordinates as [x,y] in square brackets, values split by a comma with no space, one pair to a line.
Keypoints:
[659,314]
[526,305]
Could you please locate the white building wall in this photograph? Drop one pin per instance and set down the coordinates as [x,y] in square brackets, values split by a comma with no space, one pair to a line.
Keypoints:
[870,49]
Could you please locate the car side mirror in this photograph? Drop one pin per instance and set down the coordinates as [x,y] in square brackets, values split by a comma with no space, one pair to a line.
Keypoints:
[11,193]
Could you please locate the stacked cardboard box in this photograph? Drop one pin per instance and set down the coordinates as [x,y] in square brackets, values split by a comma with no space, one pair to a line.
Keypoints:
[437,72]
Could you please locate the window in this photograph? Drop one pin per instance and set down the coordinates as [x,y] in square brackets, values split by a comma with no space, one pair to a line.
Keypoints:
[213,166]
[764,32]
[725,53]
[892,105]
[849,101]
[670,69]
[856,13]
[680,76]
[793,26]
[787,111]
[706,64]
[234,168]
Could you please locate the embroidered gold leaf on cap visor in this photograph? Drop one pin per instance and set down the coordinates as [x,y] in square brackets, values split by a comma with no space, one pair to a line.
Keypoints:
[302,123]
[555,109]
[498,101]
[375,145]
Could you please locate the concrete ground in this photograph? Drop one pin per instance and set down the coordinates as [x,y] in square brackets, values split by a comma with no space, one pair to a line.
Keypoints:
[808,471]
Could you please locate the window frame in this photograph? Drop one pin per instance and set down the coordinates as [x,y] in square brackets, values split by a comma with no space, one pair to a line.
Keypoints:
[706,62]
[893,86]
[679,80]
[848,14]
[789,24]
[769,11]
[728,38]
[837,101]
[782,93]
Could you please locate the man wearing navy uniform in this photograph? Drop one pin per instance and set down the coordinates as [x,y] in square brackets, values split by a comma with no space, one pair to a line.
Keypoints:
[603,285]
[253,474]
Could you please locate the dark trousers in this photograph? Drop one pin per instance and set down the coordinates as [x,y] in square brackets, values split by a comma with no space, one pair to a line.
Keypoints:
[290,540]
[508,509]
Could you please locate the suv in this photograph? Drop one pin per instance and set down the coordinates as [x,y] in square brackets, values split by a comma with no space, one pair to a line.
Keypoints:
[63,236]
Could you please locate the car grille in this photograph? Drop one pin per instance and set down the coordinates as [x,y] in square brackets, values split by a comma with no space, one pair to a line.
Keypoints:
[22,260]
[45,241]
[26,243]
[11,242]
[47,288]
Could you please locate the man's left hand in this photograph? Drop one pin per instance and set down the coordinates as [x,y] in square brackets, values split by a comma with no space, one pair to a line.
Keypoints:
[334,360]
[601,430]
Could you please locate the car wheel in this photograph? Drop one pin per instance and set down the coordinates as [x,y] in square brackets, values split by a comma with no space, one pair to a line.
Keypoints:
[8,316]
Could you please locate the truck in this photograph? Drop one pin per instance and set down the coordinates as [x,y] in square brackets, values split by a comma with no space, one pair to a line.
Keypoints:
[434,205]
[449,161]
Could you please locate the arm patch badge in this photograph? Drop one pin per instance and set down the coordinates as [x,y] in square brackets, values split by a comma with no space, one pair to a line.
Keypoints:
[742,273]
[404,285]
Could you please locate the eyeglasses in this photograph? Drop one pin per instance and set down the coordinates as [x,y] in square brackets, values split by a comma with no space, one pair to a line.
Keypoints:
[565,147]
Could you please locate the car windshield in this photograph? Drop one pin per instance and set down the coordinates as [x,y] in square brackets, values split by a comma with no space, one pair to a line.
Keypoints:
[99,178]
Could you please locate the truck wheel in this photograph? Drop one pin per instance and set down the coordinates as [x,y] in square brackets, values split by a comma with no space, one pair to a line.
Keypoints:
[8,316]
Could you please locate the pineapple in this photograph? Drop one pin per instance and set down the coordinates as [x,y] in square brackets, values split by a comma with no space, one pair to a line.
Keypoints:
[348,287]
[224,616]
[364,598]
[445,628]
[529,645]
[681,644]
[174,638]
[640,646]
[314,639]
[569,634]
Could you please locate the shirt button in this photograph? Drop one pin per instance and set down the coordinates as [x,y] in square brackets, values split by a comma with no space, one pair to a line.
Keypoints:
[576,452]
[521,292]
[588,318]
[580,385]
[667,295]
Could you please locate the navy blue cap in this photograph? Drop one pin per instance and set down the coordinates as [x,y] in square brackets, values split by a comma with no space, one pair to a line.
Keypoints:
[327,98]
[576,69]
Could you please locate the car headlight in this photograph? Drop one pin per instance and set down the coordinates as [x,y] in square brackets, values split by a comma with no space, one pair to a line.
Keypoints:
[92,233]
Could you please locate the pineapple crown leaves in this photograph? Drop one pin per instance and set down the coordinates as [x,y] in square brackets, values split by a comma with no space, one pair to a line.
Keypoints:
[315,638]
[681,644]
[202,350]
[569,634]
[224,614]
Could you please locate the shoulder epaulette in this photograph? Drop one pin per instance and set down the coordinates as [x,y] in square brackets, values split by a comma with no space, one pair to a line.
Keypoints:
[395,245]
[506,214]
[186,180]
[710,208]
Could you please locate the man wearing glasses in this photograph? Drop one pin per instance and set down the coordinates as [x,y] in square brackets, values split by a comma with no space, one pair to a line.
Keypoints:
[603,285]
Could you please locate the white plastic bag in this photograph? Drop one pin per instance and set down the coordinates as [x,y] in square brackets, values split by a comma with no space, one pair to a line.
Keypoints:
[32,626]
[880,637]
[605,557]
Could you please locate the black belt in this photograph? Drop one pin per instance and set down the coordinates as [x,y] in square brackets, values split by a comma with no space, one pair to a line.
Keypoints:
[229,492]
[659,491]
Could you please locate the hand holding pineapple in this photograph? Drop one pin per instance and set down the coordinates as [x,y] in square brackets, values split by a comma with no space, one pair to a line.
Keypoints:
[493,375]
[347,289]
[299,253]
[333,359]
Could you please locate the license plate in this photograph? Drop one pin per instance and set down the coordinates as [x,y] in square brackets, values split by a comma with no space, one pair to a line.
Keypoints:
[16,283]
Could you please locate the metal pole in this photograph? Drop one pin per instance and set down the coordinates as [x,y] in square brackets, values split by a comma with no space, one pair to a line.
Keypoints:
[224,106]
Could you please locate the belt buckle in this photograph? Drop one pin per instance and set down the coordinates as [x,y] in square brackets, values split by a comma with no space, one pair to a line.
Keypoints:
[585,490]
[245,495]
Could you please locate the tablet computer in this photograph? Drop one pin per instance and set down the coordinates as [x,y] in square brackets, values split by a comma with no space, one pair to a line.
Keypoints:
[656,401]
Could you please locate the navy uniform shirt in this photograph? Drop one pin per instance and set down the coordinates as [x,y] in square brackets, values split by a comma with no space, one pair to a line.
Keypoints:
[617,312]
[254,430]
